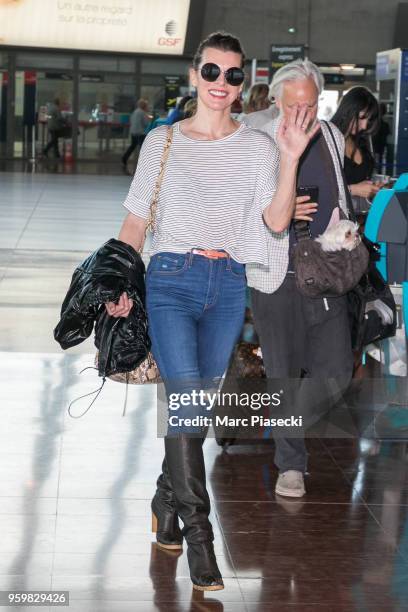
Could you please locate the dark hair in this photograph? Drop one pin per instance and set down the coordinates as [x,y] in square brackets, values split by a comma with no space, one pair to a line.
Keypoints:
[258,95]
[219,40]
[352,104]
[357,100]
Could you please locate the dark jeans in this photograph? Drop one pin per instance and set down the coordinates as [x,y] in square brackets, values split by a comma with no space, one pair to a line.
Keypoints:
[195,308]
[302,334]
[53,143]
[137,140]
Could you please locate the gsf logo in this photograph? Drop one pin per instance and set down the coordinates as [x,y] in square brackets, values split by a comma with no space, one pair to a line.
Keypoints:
[168,42]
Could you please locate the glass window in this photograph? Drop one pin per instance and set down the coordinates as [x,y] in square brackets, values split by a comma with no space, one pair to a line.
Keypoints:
[3,112]
[153,89]
[165,66]
[155,96]
[107,64]
[105,105]
[35,94]
[44,60]
[122,79]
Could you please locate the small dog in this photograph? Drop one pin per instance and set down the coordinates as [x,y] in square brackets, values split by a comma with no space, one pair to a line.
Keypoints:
[341,235]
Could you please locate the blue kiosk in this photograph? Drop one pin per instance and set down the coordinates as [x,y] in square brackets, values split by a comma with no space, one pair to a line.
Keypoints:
[387,224]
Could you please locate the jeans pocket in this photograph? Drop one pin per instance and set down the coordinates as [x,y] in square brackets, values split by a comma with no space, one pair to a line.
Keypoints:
[167,264]
[237,269]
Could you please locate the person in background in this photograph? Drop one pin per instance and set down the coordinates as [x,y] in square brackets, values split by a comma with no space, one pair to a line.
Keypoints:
[260,108]
[357,118]
[55,124]
[177,113]
[190,108]
[139,121]
[302,337]
[257,98]
[236,108]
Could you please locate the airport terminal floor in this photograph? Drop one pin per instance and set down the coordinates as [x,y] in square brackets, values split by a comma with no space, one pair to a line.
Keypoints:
[75,493]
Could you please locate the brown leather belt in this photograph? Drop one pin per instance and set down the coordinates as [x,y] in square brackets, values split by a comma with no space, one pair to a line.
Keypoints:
[211,254]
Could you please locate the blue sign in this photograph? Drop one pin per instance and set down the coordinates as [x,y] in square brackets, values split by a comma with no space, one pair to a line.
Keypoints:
[404,66]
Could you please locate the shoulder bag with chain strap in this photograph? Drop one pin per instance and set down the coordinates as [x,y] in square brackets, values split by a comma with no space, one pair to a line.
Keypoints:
[147,371]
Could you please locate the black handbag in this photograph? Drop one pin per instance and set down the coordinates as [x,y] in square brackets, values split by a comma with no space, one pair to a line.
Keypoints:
[371,305]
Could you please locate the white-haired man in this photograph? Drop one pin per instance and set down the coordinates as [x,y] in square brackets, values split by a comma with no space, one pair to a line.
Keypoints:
[301,336]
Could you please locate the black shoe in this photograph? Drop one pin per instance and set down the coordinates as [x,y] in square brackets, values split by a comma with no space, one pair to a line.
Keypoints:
[185,462]
[204,572]
[164,514]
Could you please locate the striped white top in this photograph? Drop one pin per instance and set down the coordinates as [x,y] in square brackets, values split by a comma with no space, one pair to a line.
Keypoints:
[213,192]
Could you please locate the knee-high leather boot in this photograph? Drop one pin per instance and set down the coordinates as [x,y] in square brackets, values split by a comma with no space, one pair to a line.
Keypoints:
[164,514]
[185,462]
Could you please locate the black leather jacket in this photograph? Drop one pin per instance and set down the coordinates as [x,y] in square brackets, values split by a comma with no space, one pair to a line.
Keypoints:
[122,342]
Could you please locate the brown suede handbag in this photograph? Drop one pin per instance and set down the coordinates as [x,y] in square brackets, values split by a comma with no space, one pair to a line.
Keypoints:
[327,274]
[322,274]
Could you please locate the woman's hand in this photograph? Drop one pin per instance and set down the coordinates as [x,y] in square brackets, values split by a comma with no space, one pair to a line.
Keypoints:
[122,308]
[365,189]
[294,133]
[304,208]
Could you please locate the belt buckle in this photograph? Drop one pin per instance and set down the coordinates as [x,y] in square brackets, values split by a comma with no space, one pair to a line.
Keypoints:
[210,254]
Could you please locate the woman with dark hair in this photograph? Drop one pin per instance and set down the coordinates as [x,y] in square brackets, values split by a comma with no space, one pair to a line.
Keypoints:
[357,118]
[257,98]
[217,201]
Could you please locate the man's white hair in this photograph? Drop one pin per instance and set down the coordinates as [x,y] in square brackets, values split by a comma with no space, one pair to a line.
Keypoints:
[298,70]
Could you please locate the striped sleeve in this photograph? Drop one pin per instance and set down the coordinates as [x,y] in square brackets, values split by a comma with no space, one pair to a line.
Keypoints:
[141,189]
[267,178]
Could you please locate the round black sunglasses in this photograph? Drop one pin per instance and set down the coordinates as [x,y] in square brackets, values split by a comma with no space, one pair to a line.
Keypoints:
[234,76]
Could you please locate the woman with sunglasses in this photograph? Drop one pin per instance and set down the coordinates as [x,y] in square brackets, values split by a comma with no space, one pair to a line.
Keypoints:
[217,201]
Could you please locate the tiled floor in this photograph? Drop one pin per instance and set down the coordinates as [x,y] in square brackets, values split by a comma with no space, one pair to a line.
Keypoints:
[75,493]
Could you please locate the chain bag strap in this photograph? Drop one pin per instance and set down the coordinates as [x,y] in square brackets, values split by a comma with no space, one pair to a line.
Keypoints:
[151,220]
[147,371]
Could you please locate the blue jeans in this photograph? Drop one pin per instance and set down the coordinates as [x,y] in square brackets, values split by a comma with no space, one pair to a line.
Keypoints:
[195,308]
